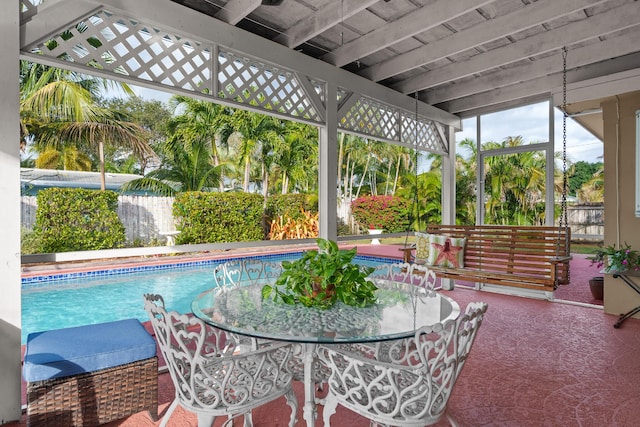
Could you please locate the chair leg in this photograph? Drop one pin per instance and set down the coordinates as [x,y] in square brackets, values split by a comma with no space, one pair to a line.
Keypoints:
[248,420]
[167,415]
[205,420]
[451,420]
[293,404]
[330,406]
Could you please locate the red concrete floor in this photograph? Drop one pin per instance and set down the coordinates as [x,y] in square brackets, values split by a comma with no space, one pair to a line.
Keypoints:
[535,363]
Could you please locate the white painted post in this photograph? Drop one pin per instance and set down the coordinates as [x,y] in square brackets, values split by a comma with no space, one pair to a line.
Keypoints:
[10,305]
[328,192]
[449,191]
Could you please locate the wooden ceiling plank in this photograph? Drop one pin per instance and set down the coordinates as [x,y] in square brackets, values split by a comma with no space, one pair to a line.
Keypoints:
[616,19]
[527,16]
[421,20]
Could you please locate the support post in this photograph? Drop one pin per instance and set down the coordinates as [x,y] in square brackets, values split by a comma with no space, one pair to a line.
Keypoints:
[328,191]
[448,201]
[10,304]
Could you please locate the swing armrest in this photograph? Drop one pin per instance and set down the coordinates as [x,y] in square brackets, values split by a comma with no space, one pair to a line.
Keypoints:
[560,259]
[407,256]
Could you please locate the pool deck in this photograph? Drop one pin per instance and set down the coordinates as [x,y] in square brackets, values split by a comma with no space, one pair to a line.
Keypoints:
[30,270]
[535,363]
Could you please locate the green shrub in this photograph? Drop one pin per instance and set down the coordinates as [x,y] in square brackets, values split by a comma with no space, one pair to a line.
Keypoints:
[290,206]
[77,219]
[218,217]
[29,243]
[388,213]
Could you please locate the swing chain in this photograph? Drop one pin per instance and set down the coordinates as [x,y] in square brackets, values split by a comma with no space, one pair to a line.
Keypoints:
[563,221]
[563,207]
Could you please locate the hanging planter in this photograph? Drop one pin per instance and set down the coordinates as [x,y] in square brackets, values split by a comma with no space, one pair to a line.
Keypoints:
[596,285]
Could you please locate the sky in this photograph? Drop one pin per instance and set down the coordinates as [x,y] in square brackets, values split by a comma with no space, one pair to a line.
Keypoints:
[529,121]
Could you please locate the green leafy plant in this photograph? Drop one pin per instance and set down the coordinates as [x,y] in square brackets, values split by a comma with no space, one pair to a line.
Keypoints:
[616,258]
[321,277]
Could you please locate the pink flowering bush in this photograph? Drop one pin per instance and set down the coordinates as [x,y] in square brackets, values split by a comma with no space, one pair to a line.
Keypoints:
[616,259]
[388,213]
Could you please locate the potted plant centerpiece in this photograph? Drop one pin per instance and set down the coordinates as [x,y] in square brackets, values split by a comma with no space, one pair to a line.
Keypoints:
[321,277]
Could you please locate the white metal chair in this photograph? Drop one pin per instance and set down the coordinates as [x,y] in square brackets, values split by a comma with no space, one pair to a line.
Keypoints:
[210,377]
[412,384]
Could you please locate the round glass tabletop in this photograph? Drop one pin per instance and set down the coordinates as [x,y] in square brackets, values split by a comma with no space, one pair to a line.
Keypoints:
[401,309]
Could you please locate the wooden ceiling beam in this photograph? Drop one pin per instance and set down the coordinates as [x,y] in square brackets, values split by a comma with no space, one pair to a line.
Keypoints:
[328,16]
[236,10]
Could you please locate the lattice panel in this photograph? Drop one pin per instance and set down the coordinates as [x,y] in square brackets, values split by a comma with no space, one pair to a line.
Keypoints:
[428,136]
[130,47]
[372,118]
[319,87]
[28,7]
[341,94]
[249,81]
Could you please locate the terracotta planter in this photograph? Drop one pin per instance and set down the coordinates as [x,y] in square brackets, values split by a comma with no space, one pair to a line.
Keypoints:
[596,285]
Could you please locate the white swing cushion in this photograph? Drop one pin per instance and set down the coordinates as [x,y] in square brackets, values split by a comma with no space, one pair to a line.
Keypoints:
[422,248]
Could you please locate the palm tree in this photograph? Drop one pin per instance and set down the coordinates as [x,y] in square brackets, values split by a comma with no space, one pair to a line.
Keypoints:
[593,190]
[59,107]
[516,185]
[425,191]
[258,134]
[184,168]
[68,158]
[201,121]
[296,157]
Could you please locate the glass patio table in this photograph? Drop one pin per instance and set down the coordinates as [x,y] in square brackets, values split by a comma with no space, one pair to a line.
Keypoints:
[401,309]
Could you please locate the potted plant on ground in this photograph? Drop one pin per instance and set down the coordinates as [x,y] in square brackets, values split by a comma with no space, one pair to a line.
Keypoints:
[613,259]
[321,277]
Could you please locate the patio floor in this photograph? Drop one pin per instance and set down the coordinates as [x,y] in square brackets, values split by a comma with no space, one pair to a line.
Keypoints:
[535,363]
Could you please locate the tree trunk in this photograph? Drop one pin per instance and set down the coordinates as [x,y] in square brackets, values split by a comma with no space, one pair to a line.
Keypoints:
[103,184]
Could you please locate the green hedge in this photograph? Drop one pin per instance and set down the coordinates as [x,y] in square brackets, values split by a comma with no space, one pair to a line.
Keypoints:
[290,205]
[76,219]
[218,217]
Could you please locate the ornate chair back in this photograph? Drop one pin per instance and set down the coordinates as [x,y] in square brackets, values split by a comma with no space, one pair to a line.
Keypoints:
[410,384]
[210,375]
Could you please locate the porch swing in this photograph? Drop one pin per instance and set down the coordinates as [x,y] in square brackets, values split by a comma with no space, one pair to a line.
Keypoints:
[528,257]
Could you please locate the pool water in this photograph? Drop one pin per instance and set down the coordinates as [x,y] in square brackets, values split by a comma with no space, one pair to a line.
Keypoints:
[89,300]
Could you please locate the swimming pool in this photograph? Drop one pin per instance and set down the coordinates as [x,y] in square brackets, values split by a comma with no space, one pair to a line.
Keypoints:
[54,302]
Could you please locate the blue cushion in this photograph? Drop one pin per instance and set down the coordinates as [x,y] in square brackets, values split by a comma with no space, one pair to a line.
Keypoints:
[72,351]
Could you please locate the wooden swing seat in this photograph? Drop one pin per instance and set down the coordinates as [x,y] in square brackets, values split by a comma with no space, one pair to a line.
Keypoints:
[520,256]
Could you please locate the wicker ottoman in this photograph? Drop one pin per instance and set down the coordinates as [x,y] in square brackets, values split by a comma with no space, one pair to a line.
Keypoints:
[90,375]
